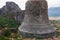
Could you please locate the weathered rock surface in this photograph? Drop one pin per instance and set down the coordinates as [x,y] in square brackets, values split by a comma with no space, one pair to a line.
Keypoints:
[36,22]
[12,11]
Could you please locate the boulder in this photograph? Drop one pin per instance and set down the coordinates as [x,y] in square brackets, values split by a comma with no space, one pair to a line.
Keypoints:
[12,11]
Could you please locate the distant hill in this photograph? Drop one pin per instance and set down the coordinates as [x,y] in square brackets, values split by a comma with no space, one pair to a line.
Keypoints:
[54,12]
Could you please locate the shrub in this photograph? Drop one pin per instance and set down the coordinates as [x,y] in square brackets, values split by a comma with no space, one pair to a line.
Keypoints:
[3,38]
[7,33]
[9,23]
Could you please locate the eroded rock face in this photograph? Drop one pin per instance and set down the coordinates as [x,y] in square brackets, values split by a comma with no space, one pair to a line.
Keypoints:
[12,11]
[13,7]
[36,22]
[10,7]
[20,16]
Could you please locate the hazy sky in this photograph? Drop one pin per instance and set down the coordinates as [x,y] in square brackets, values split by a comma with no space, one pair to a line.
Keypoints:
[21,3]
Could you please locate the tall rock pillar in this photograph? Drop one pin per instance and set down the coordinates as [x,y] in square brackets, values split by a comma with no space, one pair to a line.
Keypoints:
[36,22]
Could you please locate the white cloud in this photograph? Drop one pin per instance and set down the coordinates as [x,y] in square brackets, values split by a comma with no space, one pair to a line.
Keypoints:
[21,3]
[53,3]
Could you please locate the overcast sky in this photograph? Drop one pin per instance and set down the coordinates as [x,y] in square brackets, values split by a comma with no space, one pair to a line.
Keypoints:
[21,3]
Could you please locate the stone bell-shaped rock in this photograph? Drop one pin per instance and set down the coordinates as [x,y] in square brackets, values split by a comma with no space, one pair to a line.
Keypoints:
[36,22]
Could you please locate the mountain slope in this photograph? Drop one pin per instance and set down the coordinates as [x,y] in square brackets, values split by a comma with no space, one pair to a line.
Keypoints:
[54,12]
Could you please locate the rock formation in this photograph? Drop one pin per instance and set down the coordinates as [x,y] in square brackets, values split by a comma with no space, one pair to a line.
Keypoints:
[12,11]
[36,22]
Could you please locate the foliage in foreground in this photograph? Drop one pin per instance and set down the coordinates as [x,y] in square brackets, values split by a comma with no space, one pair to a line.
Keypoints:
[8,23]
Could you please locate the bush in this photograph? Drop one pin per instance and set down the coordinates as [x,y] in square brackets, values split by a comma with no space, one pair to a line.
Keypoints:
[7,33]
[9,23]
[1,26]
[3,38]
